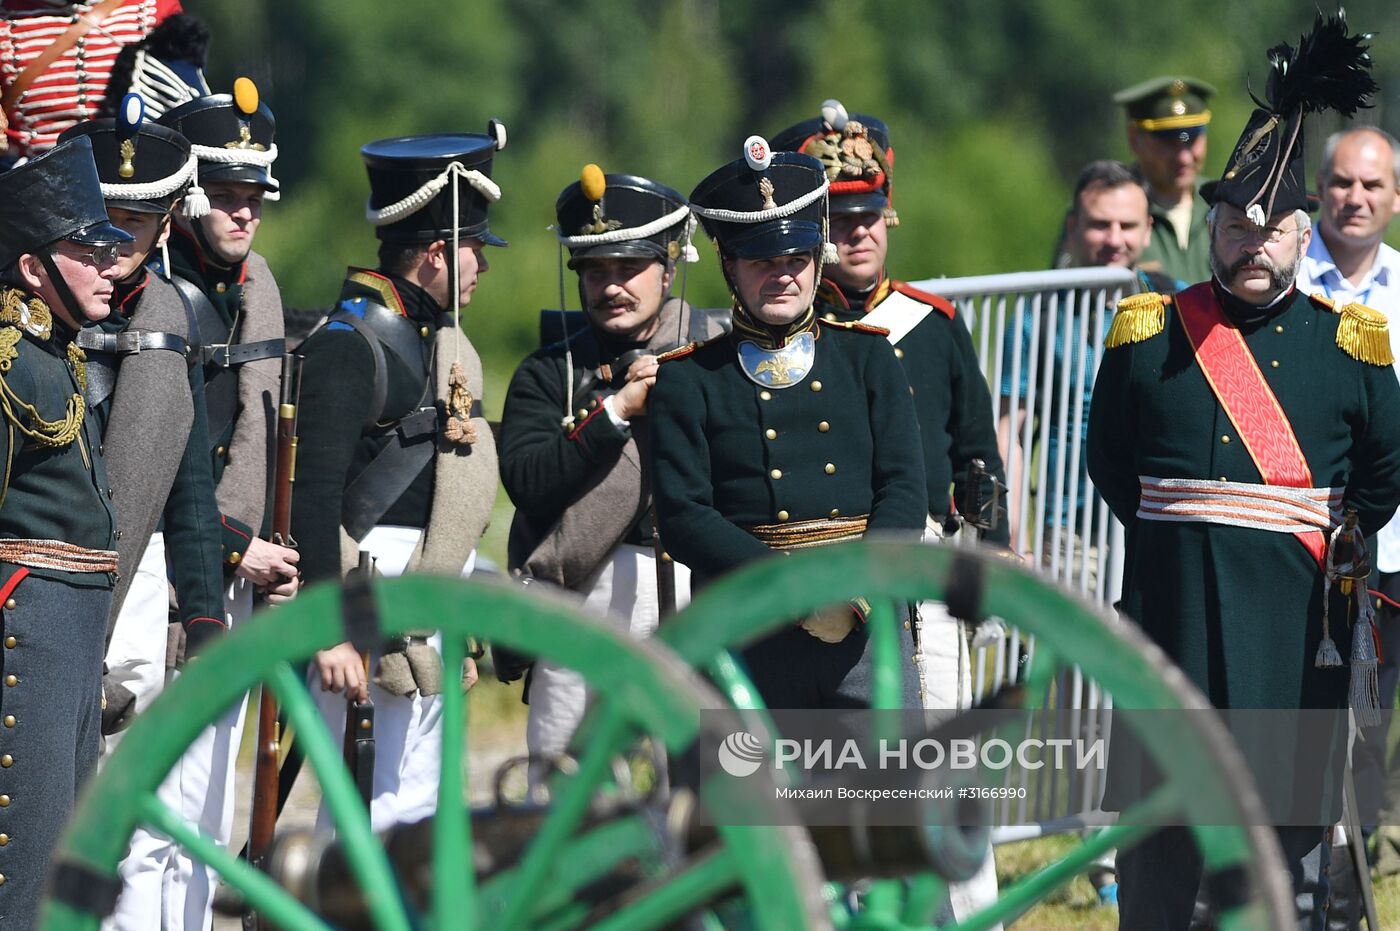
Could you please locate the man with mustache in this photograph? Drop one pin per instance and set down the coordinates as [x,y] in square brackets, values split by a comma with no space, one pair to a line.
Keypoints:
[1231,427]
[58,259]
[574,430]
[792,431]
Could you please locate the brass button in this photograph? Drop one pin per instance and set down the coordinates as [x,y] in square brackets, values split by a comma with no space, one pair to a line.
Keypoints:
[4,801]
[9,720]
[582,413]
[1225,438]
[1279,328]
[835,512]
[829,316]
[11,680]
[898,353]
[823,427]
[906,625]
[776,474]
[1273,364]
[782,515]
[593,404]
[830,468]
[234,559]
[221,287]
[1224,479]
[10,643]
[7,761]
[771,433]
[765,395]
[4,840]
[220,451]
[423,332]
[666,557]
[366,725]
[816,386]
[101,449]
[9,604]
[2,879]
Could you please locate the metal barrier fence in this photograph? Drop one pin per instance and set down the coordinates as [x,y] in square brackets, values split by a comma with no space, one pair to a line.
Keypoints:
[1039,338]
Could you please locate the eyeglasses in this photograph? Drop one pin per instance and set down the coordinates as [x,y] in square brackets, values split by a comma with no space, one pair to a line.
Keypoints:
[1248,232]
[104,254]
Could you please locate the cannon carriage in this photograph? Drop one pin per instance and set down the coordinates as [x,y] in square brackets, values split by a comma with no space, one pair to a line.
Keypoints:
[604,848]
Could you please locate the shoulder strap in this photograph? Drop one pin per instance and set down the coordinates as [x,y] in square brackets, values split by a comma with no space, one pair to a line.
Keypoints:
[380,392]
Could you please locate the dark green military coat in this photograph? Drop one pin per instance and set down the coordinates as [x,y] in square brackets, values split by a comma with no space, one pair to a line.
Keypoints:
[950,395]
[1165,255]
[730,454]
[50,492]
[1240,610]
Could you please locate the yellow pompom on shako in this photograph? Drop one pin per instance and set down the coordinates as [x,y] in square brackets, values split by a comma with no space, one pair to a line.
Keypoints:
[592,181]
[245,96]
[1139,317]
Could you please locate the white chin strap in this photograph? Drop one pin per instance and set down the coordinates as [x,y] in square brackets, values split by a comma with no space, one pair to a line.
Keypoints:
[197,202]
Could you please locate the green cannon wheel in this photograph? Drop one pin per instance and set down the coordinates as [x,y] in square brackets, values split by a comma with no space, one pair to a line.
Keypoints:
[1205,781]
[646,878]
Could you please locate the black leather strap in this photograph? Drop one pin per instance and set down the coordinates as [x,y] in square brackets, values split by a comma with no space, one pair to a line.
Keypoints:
[359,747]
[84,889]
[388,475]
[130,341]
[228,355]
[380,392]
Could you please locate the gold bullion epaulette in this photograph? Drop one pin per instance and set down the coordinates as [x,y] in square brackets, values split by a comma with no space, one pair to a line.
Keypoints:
[1363,334]
[1139,317]
[855,326]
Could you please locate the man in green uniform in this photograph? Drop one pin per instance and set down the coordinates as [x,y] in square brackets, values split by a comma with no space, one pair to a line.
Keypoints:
[1167,120]
[790,432]
[393,456]
[1216,411]
[57,527]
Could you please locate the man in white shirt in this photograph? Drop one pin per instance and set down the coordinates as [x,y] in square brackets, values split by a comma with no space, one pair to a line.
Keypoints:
[1348,261]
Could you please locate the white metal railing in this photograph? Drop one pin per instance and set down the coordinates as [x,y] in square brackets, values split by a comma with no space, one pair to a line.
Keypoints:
[1039,338]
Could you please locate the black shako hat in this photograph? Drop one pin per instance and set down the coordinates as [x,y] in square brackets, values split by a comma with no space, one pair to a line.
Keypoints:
[232,134]
[622,216]
[855,150]
[1330,70]
[52,197]
[143,167]
[765,204]
[413,181]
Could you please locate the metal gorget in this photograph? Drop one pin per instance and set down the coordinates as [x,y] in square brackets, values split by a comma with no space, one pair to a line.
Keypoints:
[779,368]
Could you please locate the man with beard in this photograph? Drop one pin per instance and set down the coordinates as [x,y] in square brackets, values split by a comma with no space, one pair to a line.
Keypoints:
[573,430]
[393,454]
[57,527]
[1167,122]
[772,438]
[1217,411]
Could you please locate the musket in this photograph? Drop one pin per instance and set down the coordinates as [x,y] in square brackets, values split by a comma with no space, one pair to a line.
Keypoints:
[359,716]
[263,816]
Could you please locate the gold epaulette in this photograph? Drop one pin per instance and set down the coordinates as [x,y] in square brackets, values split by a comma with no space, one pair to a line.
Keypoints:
[1139,317]
[1363,334]
[854,326]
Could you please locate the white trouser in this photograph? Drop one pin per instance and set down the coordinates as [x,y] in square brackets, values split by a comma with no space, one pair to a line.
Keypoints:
[163,887]
[407,730]
[136,655]
[624,591]
[945,683]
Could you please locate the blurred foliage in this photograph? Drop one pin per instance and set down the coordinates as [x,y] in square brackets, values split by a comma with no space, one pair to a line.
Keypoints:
[993,105]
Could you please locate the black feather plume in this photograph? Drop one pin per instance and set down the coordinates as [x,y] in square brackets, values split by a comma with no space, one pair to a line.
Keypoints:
[1331,70]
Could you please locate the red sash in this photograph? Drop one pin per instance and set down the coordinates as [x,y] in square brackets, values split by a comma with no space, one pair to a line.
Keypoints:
[1233,374]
